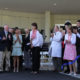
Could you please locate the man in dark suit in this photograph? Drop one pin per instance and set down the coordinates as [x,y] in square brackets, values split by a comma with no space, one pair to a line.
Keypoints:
[78,45]
[5,48]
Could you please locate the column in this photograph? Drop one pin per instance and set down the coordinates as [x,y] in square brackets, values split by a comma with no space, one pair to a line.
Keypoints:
[47,25]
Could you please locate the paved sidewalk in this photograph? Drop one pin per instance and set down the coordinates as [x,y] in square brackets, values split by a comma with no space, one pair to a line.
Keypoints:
[43,75]
[77,76]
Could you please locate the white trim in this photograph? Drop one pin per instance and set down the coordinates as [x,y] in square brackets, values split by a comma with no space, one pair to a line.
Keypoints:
[63,24]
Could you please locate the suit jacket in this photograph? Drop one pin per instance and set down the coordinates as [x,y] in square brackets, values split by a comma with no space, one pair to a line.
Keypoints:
[5,44]
[78,42]
[27,42]
[78,45]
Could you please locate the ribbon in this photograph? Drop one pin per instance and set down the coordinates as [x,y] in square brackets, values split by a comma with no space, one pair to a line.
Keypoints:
[65,64]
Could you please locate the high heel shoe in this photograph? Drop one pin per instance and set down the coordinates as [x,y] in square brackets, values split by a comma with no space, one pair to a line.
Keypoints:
[70,73]
[75,74]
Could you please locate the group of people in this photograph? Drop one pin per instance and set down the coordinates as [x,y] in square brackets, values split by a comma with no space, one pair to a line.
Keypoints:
[65,47]
[11,43]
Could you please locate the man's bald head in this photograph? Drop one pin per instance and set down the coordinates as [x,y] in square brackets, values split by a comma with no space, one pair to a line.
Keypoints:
[6,28]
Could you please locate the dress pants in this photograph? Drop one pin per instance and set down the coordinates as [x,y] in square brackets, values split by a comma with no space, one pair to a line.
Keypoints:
[78,61]
[35,58]
[11,63]
[57,63]
[5,55]
[27,58]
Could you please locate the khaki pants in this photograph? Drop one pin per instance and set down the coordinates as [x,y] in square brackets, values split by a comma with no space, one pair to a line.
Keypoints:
[4,55]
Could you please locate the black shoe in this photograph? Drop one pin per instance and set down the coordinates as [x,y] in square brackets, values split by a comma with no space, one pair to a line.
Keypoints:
[66,72]
[55,70]
[35,72]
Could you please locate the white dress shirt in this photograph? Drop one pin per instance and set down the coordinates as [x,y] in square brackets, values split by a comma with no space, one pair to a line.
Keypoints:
[35,42]
[6,33]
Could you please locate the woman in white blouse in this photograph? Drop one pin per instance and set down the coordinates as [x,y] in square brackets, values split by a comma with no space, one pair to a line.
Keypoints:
[56,48]
[35,45]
